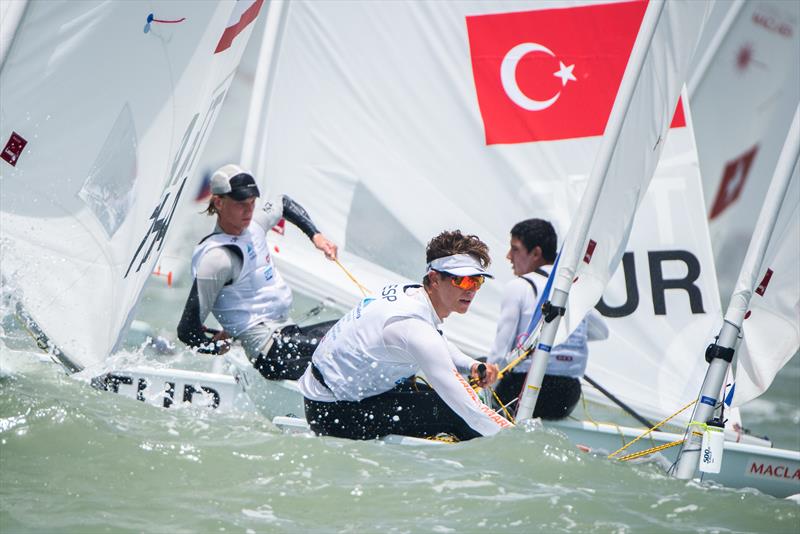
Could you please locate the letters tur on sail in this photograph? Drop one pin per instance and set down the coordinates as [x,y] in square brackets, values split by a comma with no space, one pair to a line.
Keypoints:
[394,150]
[111,138]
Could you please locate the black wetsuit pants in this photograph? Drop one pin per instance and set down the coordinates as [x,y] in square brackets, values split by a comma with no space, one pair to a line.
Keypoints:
[409,409]
[557,398]
[291,350]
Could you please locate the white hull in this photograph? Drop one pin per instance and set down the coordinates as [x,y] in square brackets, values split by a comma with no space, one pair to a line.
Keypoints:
[170,388]
[772,471]
[234,387]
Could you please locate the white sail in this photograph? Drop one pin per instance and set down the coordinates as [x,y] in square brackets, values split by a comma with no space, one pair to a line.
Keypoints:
[743,92]
[773,312]
[599,233]
[224,146]
[768,296]
[372,122]
[105,107]
[665,295]
[10,15]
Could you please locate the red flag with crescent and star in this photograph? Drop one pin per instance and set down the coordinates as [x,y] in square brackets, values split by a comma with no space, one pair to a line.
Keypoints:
[554,73]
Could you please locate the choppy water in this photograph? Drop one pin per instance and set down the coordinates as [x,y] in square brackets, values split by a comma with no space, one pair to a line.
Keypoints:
[73,459]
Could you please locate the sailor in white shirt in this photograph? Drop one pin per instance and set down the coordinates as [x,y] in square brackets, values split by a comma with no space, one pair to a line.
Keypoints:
[358,386]
[532,252]
[236,280]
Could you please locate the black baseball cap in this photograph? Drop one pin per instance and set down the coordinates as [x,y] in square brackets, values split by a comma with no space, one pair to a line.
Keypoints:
[232,181]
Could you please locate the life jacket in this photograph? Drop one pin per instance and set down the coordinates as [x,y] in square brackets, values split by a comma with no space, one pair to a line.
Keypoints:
[259,293]
[353,357]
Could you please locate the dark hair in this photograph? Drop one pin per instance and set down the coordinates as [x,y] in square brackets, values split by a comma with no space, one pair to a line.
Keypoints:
[211,209]
[537,233]
[452,242]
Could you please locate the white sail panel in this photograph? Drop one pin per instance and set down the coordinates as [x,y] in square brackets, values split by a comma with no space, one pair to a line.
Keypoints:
[373,124]
[771,325]
[662,305]
[114,101]
[599,233]
[743,94]
[373,109]
[224,146]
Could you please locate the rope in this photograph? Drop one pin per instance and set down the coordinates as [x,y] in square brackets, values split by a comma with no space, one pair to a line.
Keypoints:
[586,410]
[364,290]
[504,406]
[639,454]
[651,429]
[595,423]
[516,361]
[698,423]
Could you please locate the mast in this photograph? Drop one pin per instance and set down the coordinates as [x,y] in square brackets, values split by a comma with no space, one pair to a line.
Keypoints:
[555,307]
[255,128]
[10,16]
[720,354]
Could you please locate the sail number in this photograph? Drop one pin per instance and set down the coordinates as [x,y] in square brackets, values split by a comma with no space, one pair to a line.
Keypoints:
[659,283]
[184,161]
[113,381]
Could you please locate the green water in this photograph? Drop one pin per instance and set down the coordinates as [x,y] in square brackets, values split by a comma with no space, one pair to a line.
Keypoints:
[73,459]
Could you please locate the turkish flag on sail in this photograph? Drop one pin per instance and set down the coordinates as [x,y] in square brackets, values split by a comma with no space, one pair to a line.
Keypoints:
[553,73]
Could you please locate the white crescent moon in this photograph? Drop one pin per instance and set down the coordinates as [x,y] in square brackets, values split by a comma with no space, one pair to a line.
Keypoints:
[508,77]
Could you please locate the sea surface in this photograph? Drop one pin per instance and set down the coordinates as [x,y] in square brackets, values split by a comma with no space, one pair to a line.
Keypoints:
[74,459]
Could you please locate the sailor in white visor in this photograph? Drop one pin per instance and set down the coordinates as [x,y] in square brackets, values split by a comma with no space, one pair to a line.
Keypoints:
[359,384]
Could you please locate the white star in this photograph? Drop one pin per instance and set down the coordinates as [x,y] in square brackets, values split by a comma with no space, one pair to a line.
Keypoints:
[565,73]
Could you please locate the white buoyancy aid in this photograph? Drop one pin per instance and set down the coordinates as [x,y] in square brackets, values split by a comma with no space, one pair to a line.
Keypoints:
[571,356]
[353,357]
[259,293]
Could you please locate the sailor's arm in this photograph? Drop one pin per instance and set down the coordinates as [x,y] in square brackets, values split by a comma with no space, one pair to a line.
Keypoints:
[213,272]
[430,351]
[469,365]
[293,212]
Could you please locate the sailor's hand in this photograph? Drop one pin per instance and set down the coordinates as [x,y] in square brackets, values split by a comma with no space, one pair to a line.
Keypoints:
[484,374]
[221,342]
[327,247]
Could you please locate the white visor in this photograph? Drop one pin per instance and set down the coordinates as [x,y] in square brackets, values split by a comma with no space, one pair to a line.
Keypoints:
[459,265]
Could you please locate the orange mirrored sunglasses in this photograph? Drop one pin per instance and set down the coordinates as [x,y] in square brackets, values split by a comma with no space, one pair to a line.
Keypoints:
[467,283]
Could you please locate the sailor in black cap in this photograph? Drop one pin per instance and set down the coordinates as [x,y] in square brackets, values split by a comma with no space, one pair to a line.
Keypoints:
[236,280]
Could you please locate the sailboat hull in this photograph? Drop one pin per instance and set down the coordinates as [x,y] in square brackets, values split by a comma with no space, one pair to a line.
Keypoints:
[169,388]
[769,470]
[232,386]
